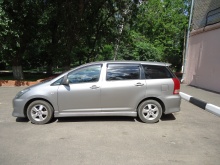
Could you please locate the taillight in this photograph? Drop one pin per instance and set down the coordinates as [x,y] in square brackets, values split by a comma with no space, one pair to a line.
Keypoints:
[176,86]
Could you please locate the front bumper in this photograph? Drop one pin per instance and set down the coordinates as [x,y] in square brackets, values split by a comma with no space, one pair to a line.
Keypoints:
[18,107]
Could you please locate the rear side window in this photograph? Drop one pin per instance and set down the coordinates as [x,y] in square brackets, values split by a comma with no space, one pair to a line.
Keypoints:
[156,72]
[122,72]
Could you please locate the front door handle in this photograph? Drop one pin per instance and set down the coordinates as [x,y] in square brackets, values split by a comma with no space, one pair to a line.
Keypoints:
[139,84]
[94,87]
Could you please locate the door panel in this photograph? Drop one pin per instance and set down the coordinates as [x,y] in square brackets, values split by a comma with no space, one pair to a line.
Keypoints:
[83,91]
[122,95]
[79,97]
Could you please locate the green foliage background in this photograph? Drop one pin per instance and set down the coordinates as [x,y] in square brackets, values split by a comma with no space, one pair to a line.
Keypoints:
[53,34]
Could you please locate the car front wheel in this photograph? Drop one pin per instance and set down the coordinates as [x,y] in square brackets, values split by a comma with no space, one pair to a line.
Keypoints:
[40,112]
[150,111]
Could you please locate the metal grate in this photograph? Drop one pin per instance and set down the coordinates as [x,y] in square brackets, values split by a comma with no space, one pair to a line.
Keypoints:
[206,12]
[213,16]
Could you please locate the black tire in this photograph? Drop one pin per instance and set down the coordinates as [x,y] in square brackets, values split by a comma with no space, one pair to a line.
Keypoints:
[150,111]
[40,112]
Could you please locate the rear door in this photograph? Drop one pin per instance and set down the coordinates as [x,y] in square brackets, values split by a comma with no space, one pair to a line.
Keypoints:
[122,88]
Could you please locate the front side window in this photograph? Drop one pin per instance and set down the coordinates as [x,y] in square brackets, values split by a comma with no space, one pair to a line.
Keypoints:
[156,72]
[58,82]
[86,74]
[122,72]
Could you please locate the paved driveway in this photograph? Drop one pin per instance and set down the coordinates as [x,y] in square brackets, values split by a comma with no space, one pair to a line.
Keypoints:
[190,136]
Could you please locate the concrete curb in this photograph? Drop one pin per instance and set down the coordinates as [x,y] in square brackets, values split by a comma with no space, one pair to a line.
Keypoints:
[202,104]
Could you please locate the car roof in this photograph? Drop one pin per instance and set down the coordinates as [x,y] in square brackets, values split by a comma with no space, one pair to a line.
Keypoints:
[131,62]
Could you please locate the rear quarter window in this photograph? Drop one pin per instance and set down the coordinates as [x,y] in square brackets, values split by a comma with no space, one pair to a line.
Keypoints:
[156,72]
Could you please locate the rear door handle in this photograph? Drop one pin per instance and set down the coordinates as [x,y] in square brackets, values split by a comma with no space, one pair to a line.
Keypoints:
[139,84]
[94,87]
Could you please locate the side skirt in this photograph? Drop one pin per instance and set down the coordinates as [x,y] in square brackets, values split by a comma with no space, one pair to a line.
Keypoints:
[73,114]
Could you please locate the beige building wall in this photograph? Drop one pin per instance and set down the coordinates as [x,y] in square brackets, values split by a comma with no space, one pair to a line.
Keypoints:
[203,59]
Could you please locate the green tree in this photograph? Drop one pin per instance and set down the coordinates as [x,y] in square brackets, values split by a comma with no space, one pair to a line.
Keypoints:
[18,28]
[163,23]
[57,33]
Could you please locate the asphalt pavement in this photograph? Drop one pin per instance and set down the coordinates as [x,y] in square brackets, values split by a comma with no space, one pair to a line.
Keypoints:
[190,137]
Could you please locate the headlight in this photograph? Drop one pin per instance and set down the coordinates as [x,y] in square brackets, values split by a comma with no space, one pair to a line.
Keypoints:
[22,92]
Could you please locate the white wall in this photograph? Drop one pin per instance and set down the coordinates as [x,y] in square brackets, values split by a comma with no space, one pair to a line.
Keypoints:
[203,59]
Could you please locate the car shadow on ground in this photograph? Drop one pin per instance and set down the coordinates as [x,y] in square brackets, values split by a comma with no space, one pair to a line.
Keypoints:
[167,117]
[96,119]
[22,120]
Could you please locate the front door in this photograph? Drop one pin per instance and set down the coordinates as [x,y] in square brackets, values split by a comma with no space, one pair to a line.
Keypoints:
[83,92]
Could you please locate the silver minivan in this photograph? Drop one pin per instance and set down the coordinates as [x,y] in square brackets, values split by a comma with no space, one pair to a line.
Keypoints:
[109,88]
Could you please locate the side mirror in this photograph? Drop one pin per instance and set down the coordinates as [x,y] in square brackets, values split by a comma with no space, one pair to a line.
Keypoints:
[65,80]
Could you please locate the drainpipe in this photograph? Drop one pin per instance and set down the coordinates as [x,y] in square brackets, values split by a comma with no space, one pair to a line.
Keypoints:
[187,40]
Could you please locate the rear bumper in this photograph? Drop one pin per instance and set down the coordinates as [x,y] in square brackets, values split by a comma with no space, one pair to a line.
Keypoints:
[172,104]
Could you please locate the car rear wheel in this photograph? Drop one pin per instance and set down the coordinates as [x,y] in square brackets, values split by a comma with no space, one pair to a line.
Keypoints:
[150,111]
[40,112]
